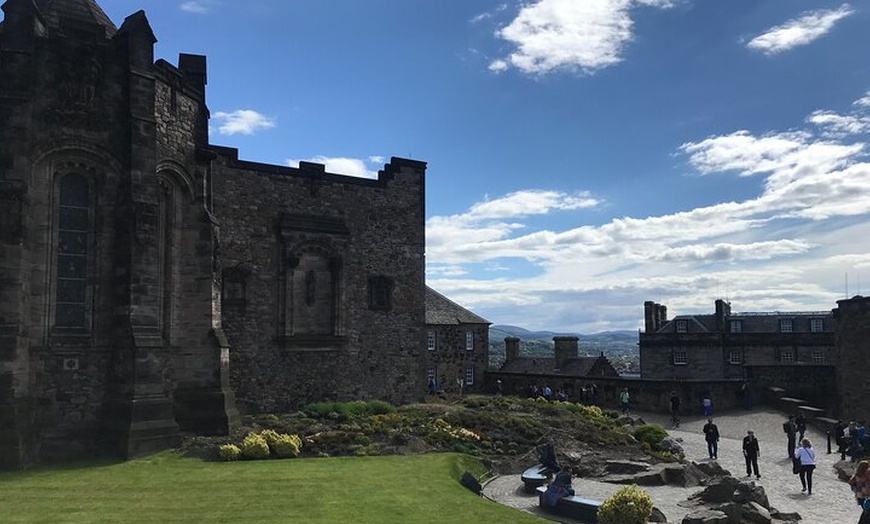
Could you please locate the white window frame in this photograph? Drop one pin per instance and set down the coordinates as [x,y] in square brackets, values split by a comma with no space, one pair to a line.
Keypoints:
[469,376]
[735,357]
[817,325]
[786,325]
[786,355]
[469,341]
[431,340]
[736,326]
[680,357]
[431,374]
[682,325]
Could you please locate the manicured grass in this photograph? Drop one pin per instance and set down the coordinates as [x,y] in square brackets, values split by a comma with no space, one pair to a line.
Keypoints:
[166,488]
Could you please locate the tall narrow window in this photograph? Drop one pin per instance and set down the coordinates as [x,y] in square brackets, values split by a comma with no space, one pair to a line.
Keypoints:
[431,340]
[72,252]
[469,341]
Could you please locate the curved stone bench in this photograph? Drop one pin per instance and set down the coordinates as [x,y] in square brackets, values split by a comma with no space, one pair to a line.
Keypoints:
[535,476]
[575,507]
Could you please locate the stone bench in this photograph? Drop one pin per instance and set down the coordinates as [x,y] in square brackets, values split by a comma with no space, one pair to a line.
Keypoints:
[535,476]
[575,507]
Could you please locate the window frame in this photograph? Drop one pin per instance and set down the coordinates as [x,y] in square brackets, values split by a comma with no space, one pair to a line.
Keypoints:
[469,376]
[735,357]
[431,340]
[818,356]
[681,325]
[679,357]
[817,325]
[58,282]
[469,340]
[786,325]
[736,326]
[787,355]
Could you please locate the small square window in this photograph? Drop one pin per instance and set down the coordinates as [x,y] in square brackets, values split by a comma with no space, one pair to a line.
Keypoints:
[737,326]
[680,357]
[786,355]
[380,293]
[469,376]
[817,325]
[786,325]
[682,326]
[469,341]
[431,340]
[735,357]
[818,356]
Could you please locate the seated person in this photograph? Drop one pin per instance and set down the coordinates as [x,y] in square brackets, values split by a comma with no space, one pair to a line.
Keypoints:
[547,456]
[560,487]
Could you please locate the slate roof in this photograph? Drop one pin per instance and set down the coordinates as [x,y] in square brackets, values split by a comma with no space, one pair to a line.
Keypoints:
[442,311]
[84,12]
[574,367]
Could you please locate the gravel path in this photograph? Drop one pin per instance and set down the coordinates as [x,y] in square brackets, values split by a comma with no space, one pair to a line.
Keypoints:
[831,502]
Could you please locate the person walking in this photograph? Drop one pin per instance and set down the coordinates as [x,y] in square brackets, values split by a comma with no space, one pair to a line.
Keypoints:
[623,400]
[707,404]
[790,430]
[711,435]
[807,455]
[675,409]
[751,452]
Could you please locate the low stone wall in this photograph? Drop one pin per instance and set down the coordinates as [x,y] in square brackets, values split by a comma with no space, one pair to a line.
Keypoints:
[645,394]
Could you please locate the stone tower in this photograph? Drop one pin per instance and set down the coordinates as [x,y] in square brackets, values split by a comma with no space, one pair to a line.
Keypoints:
[110,328]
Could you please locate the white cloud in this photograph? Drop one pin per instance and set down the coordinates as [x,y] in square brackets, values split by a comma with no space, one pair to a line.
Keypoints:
[784,248]
[199,7]
[242,121]
[344,166]
[570,35]
[799,31]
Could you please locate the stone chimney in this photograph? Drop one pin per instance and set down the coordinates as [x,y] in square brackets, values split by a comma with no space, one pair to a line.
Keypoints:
[723,311]
[566,348]
[511,349]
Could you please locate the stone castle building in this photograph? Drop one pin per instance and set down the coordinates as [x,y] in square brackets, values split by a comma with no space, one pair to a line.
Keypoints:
[821,356]
[151,282]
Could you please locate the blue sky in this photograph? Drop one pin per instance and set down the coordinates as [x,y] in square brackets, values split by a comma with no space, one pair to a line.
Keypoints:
[583,155]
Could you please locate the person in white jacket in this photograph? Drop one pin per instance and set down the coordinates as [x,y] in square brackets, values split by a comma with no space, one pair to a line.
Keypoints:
[807,455]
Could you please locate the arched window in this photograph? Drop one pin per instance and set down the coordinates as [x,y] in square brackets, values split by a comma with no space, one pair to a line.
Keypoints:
[73,225]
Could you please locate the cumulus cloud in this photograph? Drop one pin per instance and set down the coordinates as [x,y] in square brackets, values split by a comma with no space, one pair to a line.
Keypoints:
[783,248]
[198,7]
[567,35]
[242,122]
[806,28]
[345,166]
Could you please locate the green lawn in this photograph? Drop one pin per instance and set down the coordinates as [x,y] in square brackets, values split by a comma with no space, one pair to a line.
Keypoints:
[166,488]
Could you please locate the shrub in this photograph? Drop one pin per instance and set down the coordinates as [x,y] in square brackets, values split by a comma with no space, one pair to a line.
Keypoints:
[629,505]
[270,436]
[229,452]
[652,434]
[255,447]
[287,446]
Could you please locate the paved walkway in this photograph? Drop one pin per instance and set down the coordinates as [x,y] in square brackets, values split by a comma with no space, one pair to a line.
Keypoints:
[831,502]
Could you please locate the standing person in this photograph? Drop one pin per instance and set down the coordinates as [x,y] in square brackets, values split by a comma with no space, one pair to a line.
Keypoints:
[790,430]
[751,452]
[860,484]
[707,404]
[711,435]
[675,409]
[840,436]
[623,400]
[807,456]
[801,423]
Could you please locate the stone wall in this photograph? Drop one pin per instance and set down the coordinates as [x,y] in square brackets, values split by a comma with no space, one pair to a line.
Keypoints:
[450,359]
[324,296]
[853,334]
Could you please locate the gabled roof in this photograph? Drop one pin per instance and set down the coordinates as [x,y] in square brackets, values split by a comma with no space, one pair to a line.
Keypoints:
[574,367]
[442,311]
[84,12]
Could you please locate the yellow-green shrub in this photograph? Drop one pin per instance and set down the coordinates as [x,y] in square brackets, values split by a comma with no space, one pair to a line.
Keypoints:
[271,436]
[287,445]
[255,447]
[229,452]
[629,505]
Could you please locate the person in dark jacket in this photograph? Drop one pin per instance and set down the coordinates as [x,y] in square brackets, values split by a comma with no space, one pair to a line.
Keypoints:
[560,487]
[790,429]
[751,452]
[711,435]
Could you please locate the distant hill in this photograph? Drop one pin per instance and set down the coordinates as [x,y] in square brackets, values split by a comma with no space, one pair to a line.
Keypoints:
[620,347]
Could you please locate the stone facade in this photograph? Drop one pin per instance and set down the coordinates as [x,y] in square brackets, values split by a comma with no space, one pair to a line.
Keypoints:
[139,264]
[566,370]
[457,345]
[816,356]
